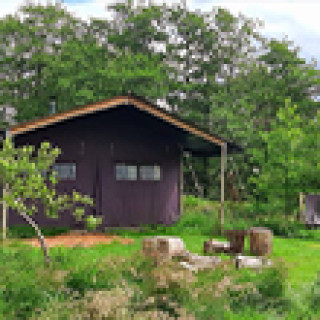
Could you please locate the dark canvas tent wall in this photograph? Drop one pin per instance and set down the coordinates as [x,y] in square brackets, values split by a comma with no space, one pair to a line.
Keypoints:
[312,209]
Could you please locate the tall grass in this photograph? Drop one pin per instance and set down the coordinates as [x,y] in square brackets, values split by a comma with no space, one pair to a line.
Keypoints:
[144,290]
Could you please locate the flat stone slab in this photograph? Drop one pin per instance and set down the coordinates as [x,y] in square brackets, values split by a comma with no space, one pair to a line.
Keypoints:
[214,246]
[164,247]
[196,262]
[252,262]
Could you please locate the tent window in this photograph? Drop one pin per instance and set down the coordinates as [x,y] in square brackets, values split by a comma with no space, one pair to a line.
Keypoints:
[66,171]
[152,173]
[126,172]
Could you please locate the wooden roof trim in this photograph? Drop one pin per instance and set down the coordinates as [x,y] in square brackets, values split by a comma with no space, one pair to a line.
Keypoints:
[22,128]
[176,122]
[65,115]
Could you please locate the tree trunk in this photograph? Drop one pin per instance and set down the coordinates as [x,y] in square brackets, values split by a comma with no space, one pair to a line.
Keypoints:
[44,248]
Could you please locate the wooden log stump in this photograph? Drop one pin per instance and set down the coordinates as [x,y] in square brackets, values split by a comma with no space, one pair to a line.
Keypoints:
[260,241]
[213,246]
[236,239]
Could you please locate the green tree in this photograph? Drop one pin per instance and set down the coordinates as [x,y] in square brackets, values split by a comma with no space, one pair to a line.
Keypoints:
[85,73]
[47,52]
[291,163]
[28,43]
[249,102]
[30,181]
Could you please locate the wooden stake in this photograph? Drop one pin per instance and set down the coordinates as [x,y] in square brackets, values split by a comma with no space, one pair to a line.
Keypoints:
[223,167]
[301,201]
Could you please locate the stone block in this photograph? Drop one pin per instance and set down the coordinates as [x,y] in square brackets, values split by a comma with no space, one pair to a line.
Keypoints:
[170,246]
[150,246]
[252,262]
[196,262]
[164,247]
[214,246]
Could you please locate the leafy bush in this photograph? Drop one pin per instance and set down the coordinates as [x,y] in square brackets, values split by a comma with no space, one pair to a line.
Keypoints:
[281,226]
[195,223]
[190,201]
[163,287]
[94,275]
[271,283]
[267,291]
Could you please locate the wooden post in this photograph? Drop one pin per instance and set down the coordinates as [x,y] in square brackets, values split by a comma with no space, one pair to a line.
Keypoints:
[4,206]
[181,183]
[4,214]
[301,201]
[223,167]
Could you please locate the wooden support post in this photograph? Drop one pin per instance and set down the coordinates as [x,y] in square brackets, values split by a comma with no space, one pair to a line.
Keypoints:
[4,214]
[301,211]
[223,168]
[181,183]
[4,206]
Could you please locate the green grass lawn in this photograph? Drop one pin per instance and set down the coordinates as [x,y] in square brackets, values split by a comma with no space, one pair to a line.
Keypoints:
[302,256]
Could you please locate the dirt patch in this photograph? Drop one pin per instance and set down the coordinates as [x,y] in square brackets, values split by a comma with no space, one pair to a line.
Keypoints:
[82,240]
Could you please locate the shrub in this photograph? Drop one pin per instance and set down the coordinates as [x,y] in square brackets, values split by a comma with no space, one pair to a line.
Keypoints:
[281,226]
[95,275]
[208,300]
[190,201]
[195,223]
[163,287]
[271,283]
[264,290]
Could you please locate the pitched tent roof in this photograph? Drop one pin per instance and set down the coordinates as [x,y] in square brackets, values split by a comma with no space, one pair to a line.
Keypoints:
[196,140]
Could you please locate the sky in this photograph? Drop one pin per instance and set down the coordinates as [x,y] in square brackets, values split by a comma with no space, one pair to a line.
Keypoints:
[296,19]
